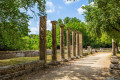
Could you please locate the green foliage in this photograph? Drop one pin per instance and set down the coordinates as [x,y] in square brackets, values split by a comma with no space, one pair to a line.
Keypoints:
[32,41]
[104,17]
[14,23]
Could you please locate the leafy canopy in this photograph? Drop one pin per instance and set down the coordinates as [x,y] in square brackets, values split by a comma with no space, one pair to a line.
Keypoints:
[104,17]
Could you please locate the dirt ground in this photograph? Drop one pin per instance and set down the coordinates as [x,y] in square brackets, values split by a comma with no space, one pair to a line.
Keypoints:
[92,67]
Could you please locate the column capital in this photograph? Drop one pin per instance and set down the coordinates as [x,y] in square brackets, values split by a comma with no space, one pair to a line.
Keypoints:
[113,40]
[54,22]
[43,17]
[68,28]
[73,30]
[77,32]
[62,25]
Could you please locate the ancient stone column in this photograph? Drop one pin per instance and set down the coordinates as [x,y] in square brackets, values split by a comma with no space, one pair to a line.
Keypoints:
[62,42]
[113,47]
[80,44]
[73,44]
[77,44]
[54,43]
[68,44]
[42,35]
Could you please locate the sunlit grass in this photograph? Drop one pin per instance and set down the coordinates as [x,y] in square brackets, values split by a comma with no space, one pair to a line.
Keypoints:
[19,60]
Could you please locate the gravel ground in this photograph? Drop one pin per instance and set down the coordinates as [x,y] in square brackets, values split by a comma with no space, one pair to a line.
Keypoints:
[92,67]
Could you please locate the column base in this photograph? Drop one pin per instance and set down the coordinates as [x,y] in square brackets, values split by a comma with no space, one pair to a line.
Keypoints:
[78,57]
[69,59]
[74,57]
[54,62]
[64,60]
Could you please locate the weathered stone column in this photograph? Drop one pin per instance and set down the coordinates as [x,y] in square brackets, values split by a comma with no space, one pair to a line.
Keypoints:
[80,45]
[62,43]
[42,35]
[113,47]
[68,44]
[77,44]
[73,44]
[54,44]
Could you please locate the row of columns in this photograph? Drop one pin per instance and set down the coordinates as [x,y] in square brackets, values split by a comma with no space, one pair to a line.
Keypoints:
[76,42]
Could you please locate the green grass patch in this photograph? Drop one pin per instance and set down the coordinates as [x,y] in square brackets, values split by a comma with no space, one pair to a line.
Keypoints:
[19,60]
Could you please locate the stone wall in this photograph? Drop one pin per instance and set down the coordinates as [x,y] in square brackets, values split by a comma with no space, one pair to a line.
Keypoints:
[13,54]
[33,53]
[30,53]
[115,66]
[8,72]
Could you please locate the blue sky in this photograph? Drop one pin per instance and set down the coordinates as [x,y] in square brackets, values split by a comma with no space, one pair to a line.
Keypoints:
[57,9]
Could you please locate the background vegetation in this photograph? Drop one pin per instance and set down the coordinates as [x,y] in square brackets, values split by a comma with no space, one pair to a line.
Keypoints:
[102,23]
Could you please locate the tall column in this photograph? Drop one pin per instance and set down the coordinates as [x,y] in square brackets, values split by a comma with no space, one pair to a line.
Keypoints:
[73,44]
[77,44]
[42,35]
[68,44]
[113,47]
[62,43]
[80,44]
[54,43]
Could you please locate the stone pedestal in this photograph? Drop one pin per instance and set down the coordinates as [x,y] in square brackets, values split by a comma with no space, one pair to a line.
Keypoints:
[77,45]
[73,44]
[68,44]
[62,43]
[115,66]
[42,34]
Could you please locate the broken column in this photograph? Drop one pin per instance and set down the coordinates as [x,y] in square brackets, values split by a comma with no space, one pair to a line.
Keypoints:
[80,45]
[42,35]
[68,44]
[77,45]
[62,42]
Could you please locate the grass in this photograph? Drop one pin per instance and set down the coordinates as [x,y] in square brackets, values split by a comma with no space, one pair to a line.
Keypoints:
[19,60]
[118,55]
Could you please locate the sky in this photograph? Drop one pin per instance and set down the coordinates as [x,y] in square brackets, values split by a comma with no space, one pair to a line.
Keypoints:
[56,9]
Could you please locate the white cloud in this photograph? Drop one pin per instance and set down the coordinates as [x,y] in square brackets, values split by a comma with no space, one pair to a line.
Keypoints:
[92,3]
[50,7]
[80,10]
[69,1]
[49,25]
[35,30]
[60,7]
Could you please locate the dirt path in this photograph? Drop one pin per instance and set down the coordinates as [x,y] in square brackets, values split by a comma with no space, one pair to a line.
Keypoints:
[92,67]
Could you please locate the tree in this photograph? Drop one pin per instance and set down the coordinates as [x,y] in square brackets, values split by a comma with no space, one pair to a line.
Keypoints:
[104,16]
[67,20]
[14,23]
